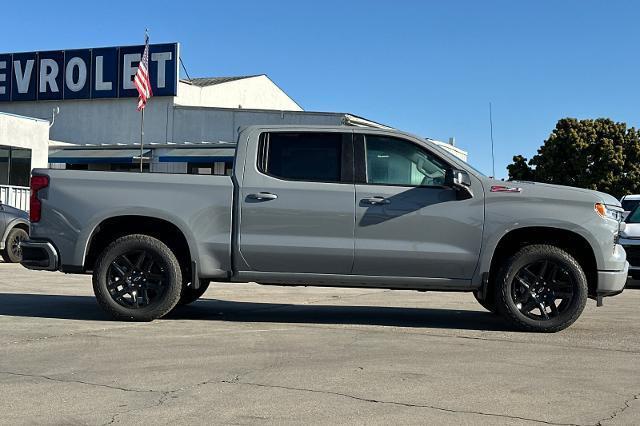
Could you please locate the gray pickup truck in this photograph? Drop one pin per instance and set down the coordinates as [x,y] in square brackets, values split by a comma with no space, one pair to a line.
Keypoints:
[330,206]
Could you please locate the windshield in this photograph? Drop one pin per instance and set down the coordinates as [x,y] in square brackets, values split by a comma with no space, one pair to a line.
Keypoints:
[629,205]
[634,216]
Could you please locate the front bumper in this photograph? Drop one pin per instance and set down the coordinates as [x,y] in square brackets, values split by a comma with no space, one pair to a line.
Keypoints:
[39,255]
[611,283]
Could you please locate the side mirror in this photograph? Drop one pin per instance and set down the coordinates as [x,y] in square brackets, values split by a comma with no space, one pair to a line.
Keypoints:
[458,179]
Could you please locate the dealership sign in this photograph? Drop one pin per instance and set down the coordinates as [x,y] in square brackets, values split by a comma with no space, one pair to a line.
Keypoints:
[105,72]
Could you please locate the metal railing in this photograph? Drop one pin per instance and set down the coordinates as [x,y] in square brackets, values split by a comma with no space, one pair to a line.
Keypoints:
[15,196]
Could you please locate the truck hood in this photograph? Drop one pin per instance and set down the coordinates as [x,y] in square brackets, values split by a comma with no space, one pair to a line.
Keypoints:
[561,192]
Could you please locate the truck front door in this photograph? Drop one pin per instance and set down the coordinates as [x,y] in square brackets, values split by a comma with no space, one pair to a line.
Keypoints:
[296,204]
[408,222]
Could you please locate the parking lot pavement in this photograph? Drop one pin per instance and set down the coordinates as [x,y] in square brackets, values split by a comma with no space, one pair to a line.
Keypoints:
[250,354]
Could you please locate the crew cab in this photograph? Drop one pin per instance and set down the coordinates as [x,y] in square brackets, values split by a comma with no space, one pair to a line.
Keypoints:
[330,206]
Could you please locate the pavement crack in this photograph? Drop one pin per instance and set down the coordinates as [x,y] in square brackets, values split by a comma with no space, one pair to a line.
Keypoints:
[235,381]
[343,297]
[60,380]
[617,412]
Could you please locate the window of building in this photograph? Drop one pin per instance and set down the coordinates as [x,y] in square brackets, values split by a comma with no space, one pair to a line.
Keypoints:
[15,166]
[70,166]
[20,167]
[315,157]
[392,161]
[219,168]
[108,167]
[127,167]
[4,165]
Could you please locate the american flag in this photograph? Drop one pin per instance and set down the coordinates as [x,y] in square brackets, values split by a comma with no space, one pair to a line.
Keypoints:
[141,80]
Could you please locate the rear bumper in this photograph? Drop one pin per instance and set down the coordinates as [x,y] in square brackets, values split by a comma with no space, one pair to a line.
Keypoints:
[39,255]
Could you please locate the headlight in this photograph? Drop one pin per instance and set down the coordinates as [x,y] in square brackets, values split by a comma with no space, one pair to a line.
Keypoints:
[607,212]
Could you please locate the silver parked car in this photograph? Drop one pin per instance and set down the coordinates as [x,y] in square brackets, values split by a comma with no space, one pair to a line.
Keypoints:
[14,228]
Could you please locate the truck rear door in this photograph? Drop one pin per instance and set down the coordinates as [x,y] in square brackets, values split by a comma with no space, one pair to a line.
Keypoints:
[296,203]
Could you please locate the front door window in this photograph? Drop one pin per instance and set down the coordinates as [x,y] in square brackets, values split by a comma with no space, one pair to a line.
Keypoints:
[392,161]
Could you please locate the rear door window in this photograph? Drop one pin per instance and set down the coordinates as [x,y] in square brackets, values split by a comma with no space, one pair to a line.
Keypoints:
[304,156]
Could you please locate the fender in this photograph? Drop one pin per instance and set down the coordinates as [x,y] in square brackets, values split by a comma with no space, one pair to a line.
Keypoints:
[86,235]
[12,224]
[496,236]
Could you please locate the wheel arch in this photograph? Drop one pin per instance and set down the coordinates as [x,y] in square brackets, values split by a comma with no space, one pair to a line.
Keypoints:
[114,227]
[15,223]
[572,242]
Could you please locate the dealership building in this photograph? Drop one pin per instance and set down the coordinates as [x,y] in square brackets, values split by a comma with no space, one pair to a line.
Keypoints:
[76,109]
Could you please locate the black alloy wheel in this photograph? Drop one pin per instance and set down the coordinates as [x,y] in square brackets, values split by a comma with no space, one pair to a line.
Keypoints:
[137,278]
[541,288]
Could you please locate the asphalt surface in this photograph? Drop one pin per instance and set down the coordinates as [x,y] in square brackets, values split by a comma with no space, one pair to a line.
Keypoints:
[249,354]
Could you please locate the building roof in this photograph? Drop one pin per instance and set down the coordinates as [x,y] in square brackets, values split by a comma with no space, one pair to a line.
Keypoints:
[212,81]
[8,114]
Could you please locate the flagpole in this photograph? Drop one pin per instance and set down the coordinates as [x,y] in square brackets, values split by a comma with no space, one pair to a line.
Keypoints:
[141,138]
[146,93]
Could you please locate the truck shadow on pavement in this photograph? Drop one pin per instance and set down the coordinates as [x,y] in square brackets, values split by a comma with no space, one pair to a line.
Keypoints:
[84,308]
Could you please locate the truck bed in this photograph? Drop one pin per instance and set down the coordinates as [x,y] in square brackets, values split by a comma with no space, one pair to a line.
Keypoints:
[77,202]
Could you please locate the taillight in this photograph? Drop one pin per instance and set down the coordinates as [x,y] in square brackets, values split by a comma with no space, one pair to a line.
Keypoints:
[35,206]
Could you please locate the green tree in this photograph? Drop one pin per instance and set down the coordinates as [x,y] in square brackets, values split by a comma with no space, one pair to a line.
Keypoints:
[519,169]
[594,154]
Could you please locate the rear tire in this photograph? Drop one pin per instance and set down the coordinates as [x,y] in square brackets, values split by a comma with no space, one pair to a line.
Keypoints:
[541,288]
[190,295]
[137,278]
[12,252]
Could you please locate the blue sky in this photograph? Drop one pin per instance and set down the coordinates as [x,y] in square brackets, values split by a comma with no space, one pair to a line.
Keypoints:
[427,67]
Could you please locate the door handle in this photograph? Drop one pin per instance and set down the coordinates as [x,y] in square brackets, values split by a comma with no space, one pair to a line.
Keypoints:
[262,196]
[377,200]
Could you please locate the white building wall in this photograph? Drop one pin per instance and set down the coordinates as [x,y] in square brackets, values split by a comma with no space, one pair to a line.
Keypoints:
[25,132]
[99,121]
[214,125]
[257,92]
[460,153]
[109,121]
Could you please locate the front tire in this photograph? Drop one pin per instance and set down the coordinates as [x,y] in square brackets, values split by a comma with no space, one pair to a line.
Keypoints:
[541,288]
[12,252]
[137,278]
